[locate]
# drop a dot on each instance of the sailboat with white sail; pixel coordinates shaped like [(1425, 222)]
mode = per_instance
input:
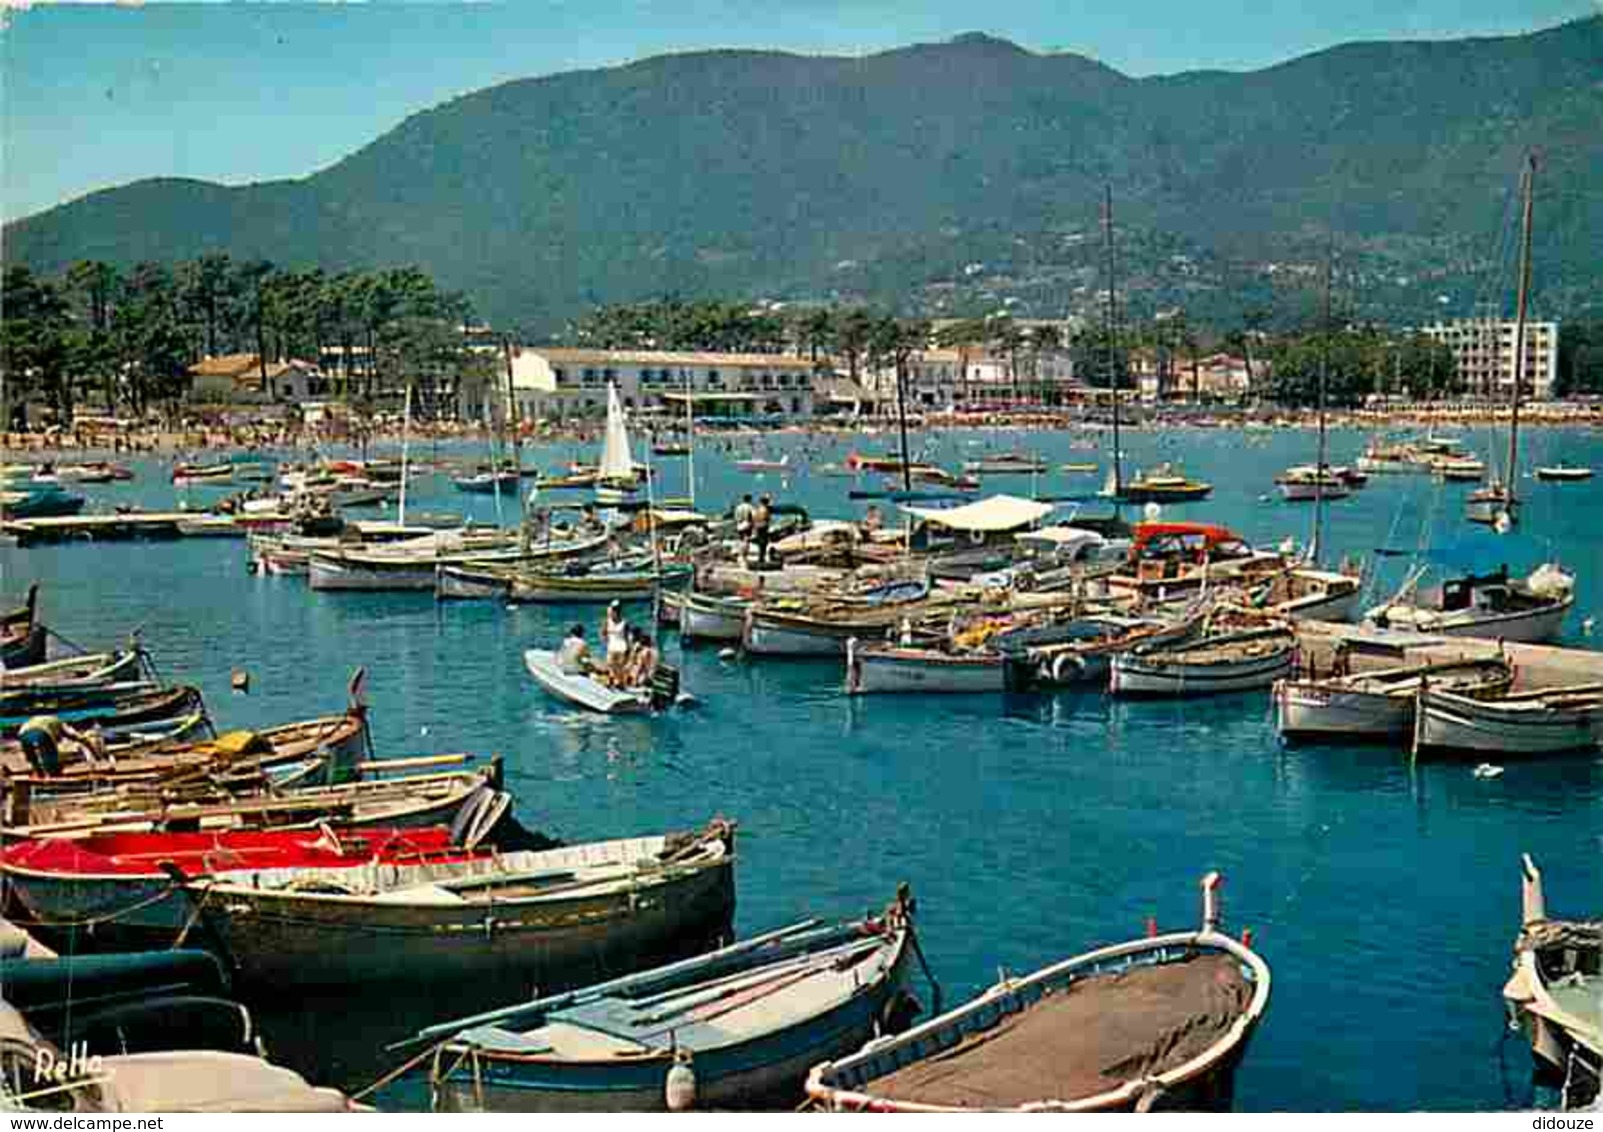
[(617, 476)]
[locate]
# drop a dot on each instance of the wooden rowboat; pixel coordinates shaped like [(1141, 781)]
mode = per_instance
[(331, 744), (315, 908), (1221, 662), (119, 712), (1539, 722), (1377, 705), (401, 803), (883, 667), (88, 670), (739, 1026), (1160, 1022)]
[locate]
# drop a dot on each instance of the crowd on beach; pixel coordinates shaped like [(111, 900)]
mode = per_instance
[(163, 439)]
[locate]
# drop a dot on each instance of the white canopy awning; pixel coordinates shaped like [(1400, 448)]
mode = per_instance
[(1062, 538), (998, 513)]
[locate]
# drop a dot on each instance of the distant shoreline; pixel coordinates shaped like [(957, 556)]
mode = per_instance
[(101, 442)]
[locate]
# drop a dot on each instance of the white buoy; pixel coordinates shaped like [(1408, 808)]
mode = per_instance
[(680, 1088), (727, 654), (1503, 524), (424, 730), (1152, 510), (1487, 770), (1587, 626)]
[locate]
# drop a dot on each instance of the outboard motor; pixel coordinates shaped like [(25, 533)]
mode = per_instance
[(664, 686)]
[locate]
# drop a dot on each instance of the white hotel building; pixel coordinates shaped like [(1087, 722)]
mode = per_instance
[(558, 382), (1483, 350)]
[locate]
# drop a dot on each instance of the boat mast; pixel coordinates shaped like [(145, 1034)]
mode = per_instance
[(1324, 375), (1113, 378), (901, 420), (1519, 339), (406, 447), (690, 437)]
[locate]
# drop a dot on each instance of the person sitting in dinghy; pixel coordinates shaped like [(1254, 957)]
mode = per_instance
[(574, 656)]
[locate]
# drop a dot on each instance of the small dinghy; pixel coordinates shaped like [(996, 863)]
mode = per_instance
[(587, 692), (1160, 1022), (739, 1026)]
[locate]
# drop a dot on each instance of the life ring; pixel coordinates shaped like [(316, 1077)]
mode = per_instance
[(1066, 667)]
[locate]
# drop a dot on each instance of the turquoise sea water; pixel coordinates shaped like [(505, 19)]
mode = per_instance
[(1030, 827)]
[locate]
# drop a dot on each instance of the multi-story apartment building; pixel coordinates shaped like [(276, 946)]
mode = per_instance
[(975, 377), (564, 382), (1483, 350)]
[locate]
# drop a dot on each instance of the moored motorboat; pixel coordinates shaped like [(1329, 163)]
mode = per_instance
[(1379, 704), (1213, 662), (1306, 483), (1160, 1022), (1165, 485), (739, 1026), (1531, 609), (1555, 994), (1563, 473), (1536, 722)]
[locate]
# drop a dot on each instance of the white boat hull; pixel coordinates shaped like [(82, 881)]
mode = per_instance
[(583, 691), (1493, 727), (1137, 675), (1526, 626), (1308, 493), (1325, 607), (451, 583), (706, 621), (764, 639), (335, 574), (889, 669), (1304, 708)]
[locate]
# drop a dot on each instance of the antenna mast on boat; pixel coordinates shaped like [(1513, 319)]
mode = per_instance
[(1113, 376), (1510, 500)]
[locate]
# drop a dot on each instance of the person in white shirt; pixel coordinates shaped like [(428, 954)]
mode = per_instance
[(574, 655), (615, 631)]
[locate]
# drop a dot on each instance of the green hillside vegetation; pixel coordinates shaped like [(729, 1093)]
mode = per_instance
[(885, 179)]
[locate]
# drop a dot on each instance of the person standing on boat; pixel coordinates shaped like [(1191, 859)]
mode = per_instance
[(743, 515), (761, 519), (615, 633), (41, 738), (574, 655)]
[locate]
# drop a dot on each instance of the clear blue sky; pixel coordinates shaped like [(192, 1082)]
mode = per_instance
[(96, 96)]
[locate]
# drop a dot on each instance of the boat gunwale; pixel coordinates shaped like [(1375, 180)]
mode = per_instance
[(1131, 1090)]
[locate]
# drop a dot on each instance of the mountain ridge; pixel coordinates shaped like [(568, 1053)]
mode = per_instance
[(760, 172)]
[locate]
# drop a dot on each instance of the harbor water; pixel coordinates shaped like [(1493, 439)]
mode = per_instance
[(1030, 828)]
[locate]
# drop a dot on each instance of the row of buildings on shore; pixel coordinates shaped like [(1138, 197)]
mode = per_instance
[(540, 382)]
